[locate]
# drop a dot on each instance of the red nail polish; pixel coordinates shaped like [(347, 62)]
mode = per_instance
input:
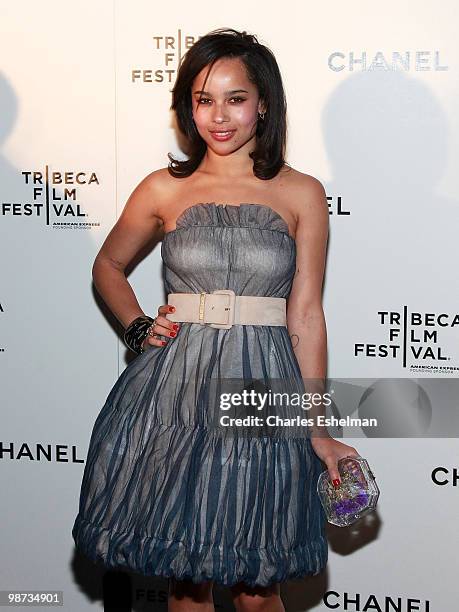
[(171, 308), (163, 342), (173, 334), (336, 482), (175, 326)]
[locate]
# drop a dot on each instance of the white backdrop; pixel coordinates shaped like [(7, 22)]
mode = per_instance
[(372, 110)]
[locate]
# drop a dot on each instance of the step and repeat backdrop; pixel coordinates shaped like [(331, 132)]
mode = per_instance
[(372, 99)]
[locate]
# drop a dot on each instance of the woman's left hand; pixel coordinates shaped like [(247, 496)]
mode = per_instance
[(330, 451)]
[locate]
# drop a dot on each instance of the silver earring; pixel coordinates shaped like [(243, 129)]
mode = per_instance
[(261, 116)]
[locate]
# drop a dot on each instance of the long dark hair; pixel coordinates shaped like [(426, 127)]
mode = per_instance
[(262, 71)]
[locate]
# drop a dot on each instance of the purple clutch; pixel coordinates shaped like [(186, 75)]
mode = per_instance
[(356, 496)]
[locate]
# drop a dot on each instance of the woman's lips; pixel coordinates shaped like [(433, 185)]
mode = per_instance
[(223, 135)]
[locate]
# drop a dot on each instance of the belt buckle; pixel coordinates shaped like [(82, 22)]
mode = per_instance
[(230, 308)]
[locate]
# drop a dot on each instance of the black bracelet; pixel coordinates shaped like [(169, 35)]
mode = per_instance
[(136, 332)]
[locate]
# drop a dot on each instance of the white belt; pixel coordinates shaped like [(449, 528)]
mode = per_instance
[(223, 308)]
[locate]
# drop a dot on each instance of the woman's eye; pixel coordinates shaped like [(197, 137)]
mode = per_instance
[(205, 100)]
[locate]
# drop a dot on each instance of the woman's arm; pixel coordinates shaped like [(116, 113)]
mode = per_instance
[(305, 316), (306, 321), (136, 225)]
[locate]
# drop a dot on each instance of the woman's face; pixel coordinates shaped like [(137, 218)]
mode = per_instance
[(226, 117)]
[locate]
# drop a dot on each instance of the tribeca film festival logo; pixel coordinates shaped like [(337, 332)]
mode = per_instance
[(170, 48), (54, 198), (402, 61), (414, 339)]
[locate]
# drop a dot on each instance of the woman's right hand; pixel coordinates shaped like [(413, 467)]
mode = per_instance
[(163, 327)]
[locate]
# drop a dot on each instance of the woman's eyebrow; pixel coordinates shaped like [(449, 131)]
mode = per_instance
[(227, 93)]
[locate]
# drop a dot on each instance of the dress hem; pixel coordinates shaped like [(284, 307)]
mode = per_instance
[(153, 556)]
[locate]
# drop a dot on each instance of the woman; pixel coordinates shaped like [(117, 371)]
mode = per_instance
[(165, 490)]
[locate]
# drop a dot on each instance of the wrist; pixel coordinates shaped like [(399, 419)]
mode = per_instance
[(319, 433), (136, 333)]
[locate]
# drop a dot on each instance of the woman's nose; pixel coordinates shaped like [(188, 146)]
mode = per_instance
[(219, 113)]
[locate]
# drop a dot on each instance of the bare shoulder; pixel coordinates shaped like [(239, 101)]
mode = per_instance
[(308, 203), (158, 182), (159, 176), (163, 189), (305, 192)]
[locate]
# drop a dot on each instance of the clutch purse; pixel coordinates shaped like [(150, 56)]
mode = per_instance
[(356, 496)]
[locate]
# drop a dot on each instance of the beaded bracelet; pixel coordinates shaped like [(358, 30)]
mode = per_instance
[(136, 332)]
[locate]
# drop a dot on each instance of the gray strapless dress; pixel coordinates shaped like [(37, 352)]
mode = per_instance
[(165, 493)]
